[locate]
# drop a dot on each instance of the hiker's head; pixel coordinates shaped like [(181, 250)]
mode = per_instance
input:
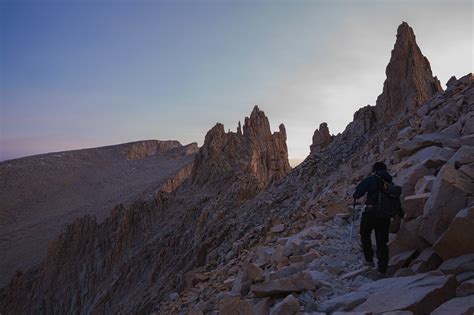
[(379, 167)]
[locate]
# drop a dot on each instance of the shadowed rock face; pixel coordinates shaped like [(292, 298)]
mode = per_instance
[(409, 83), (321, 138), (143, 149), (127, 263), (409, 79), (256, 152), (41, 194)]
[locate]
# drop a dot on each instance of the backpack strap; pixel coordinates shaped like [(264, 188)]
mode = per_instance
[(380, 192)]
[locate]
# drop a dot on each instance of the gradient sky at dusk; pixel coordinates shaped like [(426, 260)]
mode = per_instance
[(77, 74)]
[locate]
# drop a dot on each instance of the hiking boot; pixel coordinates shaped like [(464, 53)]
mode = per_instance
[(370, 264)]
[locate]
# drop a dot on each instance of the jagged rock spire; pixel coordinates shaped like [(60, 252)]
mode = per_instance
[(255, 151), (321, 138), (409, 79)]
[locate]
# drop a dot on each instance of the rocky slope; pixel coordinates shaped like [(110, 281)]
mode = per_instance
[(243, 238), (39, 195), (129, 261), (300, 259)]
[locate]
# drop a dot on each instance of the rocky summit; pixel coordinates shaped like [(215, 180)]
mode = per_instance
[(254, 152), (242, 233), (409, 79)]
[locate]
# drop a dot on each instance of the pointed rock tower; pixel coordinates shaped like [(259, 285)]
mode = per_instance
[(409, 80), (255, 152), (321, 138)]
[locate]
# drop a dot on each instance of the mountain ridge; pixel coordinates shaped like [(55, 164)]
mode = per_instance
[(236, 245)]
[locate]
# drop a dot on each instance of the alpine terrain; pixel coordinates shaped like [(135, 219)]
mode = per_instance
[(243, 233)]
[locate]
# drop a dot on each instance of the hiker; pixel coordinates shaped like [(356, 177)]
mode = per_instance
[(380, 208)]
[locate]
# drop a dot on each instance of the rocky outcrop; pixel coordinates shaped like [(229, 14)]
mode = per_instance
[(321, 138), (458, 265), (174, 181), (255, 152), (460, 305), (419, 294), (143, 149), (451, 192), (409, 80), (458, 238), (364, 119)]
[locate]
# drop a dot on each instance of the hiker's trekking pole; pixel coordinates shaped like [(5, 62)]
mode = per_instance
[(352, 224)]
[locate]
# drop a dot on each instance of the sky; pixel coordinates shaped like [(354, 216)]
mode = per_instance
[(76, 74)]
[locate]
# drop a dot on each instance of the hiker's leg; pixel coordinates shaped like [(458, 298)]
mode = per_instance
[(366, 226), (381, 236)]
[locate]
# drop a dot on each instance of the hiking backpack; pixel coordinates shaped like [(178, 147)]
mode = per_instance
[(388, 199)]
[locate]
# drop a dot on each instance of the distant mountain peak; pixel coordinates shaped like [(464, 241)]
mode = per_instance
[(409, 80)]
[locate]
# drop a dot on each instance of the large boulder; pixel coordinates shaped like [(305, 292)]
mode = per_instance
[(413, 205), (451, 192), (254, 272), (298, 282), (407, 178), (458, 265), (407, 239), (458, 306), (428, 260), (419, 294), (401, 260), (422, 141), (424, 184), (468, 170), (465, 288), (344, 302), (463, 156), (458, 239), (468, 127), (439, 158), (467, 140), (424, 154), (236, 306), (289, 306)]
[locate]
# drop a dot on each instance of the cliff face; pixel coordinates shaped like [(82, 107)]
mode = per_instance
[(143, 149), (256, 152), (409, 79)]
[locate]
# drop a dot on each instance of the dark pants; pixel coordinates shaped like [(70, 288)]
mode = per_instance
[(381, 226)]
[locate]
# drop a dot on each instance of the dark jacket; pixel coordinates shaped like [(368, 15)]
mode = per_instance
[(370, 186)]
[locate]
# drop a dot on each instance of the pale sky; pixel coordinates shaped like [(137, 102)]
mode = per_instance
[(78, 74)]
